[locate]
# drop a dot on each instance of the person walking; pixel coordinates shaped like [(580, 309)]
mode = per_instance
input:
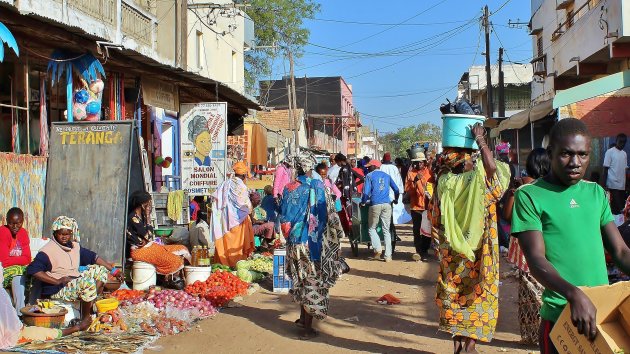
[(311, 226), (615, 166), (418, 187), (464, 216), (376, 195), (282, 176), (563, 224), (346, 182), (398, 210)]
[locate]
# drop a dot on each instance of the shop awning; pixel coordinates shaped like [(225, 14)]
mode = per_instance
[(592, 89), (521, 119)]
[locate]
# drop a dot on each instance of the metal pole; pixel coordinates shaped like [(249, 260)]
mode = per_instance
[(501, 85), (486, 24), (295, 117), (27, 94)]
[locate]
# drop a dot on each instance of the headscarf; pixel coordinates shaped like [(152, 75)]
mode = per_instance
[(254, 197), (626, 209), (196, 126), (306, 161), (240, 168), (64, 222), (453, 157), (503, 148)]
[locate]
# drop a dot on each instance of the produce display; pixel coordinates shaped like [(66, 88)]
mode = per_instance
[(216, 267), (262, 264), (220, 288), (127, 294), (181, 301), (108, 322)]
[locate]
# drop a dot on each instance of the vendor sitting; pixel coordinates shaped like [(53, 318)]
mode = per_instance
[(15, 255), (262, 227), (13, 332), (167, 259), (69, 272)]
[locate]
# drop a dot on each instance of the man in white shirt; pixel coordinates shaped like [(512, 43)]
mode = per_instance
[(614, 176), (333, 170), (399, 214)]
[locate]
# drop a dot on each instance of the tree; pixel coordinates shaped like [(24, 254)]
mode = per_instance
[(278, 27), (397, 143)]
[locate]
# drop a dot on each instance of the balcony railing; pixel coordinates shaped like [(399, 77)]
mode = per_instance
[(103, 10), (138, 25)]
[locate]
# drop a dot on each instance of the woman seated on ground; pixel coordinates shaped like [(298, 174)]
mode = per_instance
[(69, 272), (15, 255), (262, 226), (13, 332), (167, 259)]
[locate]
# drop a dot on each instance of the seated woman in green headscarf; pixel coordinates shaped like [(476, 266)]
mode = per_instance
[(463, 214)]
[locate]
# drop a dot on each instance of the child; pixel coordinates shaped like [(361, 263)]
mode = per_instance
[(269, 204), (560, 221), (15, 254)]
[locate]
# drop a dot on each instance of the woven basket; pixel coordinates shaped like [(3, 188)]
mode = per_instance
[(42, 319)]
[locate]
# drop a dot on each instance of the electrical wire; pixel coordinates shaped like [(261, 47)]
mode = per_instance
[(385, 24)]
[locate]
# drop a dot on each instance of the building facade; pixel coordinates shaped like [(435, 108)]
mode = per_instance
[(330, 112)]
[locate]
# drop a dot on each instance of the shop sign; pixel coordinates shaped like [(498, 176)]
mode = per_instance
[(203, 144), (160, 94)]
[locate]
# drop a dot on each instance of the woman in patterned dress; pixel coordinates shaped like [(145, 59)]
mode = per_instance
[(312, 227), (464, 218), (68, 271)]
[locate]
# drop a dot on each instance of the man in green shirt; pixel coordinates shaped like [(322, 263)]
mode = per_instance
[(563, 225)]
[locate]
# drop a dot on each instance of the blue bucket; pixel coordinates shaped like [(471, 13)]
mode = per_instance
[(456, 130)]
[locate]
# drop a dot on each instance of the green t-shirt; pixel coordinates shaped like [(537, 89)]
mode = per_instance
[(570, 219)]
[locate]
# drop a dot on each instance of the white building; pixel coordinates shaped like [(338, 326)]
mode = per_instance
[(581, 52), (218, 35), (516, 80)]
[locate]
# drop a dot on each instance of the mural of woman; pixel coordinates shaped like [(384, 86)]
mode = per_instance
[(199, 135)]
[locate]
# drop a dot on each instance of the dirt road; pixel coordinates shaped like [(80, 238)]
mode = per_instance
[(356, 323)]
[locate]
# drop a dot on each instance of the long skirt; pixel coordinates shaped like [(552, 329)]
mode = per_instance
[(236, 245), (84, 287), (10, 272), (167, 259)]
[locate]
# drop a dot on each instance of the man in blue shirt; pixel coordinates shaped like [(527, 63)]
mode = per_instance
[(376, 195)]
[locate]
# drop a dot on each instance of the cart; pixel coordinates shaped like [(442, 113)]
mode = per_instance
[(360, 228)]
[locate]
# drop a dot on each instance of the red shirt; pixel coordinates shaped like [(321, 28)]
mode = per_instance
[(360, 186), (9, 245)]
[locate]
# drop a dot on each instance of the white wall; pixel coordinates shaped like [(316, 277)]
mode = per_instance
[(221, 55), (582, 40)]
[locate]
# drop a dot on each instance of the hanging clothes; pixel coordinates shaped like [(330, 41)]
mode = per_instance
[(43, 118)]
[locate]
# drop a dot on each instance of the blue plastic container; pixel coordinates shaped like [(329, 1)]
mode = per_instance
[(281, 281), (456, 130)]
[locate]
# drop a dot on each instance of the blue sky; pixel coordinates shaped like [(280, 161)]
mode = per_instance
[(404, 58)]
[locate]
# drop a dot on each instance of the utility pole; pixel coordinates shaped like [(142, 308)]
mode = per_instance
[(296, 119), (501, 85), (486, 25), (286, 81)]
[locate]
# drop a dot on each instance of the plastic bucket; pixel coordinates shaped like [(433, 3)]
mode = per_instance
[(197, 273), (456, 130), (143, 275)]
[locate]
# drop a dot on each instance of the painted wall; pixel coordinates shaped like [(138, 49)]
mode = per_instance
[(217, 52), (583, 39)]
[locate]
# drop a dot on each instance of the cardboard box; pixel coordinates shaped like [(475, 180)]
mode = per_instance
[(613, 323)]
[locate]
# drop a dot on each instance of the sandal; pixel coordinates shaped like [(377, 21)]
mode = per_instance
[(299, 323)]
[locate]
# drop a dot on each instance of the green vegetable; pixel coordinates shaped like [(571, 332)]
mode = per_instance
[(245, 275)]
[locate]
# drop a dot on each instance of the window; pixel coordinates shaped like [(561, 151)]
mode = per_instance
[(569, 18), (539, 45), (198, 50), (234, 67)]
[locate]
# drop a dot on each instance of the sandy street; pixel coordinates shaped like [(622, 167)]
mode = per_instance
[(357, 323)]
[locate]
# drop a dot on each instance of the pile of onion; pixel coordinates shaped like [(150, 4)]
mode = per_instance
[(180, 300)]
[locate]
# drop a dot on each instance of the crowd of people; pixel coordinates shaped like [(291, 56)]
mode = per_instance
[(465, 205)]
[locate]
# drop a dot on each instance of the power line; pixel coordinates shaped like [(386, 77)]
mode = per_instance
[(386, 24), (395, 25)]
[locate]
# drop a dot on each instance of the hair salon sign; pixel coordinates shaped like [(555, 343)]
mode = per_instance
[(203, 146)]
